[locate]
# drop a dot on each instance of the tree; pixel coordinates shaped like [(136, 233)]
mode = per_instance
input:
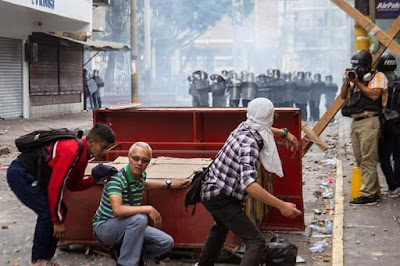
[(178, 23), (117, 29)]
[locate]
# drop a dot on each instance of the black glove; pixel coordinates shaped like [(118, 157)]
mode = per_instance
[(102, 170)]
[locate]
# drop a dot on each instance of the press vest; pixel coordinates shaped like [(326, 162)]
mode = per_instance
[(358, 103)]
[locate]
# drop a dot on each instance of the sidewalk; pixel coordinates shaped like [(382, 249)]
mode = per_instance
[(318, 166), (371, 233)]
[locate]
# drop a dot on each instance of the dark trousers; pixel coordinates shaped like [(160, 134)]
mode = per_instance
[(200, 100), (389, 144), (86, 95), (96, 99), (303, 110), (229, 215), (314, 110), (20, 182), (288, 104)]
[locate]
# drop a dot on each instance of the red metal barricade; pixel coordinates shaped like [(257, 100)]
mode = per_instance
[(186, 133)]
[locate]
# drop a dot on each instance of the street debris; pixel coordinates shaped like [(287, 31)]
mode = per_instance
[(319, 246), (299, 259)]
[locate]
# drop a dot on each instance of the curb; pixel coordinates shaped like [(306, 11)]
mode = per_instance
[(338, 219)]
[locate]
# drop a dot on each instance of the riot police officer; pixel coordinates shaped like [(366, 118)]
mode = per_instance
[(264, 85), (218, 88), (389, 141), (199, 87), (290, 89), (249, 88), (302, 92), (278, 89), (364, 100), (317, 87), (330, 90), (235, 89)]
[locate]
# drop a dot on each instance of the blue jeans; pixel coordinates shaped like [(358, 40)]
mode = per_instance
[(20, 182), (132, 233)]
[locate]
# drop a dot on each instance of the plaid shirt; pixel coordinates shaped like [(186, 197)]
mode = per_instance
[(380, 81), (235, 166)]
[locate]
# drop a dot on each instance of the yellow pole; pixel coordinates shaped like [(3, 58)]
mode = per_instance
[(361, 41)]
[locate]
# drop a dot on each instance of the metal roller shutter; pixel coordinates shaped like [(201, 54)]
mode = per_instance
[(10, 78)]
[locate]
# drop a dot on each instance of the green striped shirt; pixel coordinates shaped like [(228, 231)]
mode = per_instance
[(117, 185)]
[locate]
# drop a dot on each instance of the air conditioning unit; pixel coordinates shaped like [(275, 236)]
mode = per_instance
[(102, 2)]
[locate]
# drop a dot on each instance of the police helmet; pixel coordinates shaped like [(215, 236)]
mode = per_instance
[(361, 57), (276, 73), (386, 63)]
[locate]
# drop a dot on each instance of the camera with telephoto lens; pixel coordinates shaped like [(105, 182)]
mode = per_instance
[(351, 75)]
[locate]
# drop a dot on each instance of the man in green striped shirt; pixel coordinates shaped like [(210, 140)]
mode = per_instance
[(120, 220)]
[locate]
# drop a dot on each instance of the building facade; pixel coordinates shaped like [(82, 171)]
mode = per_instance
[(40, 75)]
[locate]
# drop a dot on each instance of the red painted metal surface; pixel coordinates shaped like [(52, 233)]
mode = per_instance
[(188, 133)]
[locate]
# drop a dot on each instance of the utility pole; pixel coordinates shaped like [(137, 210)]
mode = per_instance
[(134, 56), (147, 49), (237, 23)]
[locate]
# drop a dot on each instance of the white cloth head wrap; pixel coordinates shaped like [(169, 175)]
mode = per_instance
[(260, 117)]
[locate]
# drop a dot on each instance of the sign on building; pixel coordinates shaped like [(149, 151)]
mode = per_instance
[(387, 9)]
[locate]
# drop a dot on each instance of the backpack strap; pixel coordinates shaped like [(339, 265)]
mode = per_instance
[(130, 196)]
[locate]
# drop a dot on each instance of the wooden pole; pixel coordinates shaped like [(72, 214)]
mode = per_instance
[(386, 40), (134, 55)]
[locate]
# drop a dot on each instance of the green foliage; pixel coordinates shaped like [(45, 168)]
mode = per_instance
[(117, 28), (180, 22)]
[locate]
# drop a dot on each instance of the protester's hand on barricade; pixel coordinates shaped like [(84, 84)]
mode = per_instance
[(180, 183), (101, 171), (291, 142), (58, 231), (289, 209), (154, 216)]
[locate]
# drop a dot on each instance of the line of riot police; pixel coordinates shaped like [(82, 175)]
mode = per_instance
[(284, 90)]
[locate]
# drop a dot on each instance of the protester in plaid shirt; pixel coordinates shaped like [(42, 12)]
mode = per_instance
[(232, 177), (364, 102)]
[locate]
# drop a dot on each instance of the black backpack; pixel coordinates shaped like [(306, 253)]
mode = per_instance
[(192, 196), (33, 145), (39, 138)]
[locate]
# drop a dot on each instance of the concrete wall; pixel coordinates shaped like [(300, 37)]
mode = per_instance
[(51, 110)]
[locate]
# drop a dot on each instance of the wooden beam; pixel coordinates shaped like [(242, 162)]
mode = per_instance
[(391, 32), (323, 122), (369, 26), (313, 137), (365, 22)]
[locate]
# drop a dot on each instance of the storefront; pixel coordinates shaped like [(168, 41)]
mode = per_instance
[(19, 19)]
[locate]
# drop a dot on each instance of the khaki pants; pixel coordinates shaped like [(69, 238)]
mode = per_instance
[(364, 138)]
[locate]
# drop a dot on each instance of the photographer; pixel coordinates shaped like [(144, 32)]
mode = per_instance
[(365, 95), (389, 141)]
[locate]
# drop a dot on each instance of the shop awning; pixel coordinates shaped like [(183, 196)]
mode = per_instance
[(94, 45)]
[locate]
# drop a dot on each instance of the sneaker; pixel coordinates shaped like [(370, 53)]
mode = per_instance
[(395, 193), (371, 200)]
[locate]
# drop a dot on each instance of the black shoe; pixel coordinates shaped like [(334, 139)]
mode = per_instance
[(370, 200)]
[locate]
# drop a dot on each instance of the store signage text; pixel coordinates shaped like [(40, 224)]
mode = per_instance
[(387, 9), (44, 3)]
